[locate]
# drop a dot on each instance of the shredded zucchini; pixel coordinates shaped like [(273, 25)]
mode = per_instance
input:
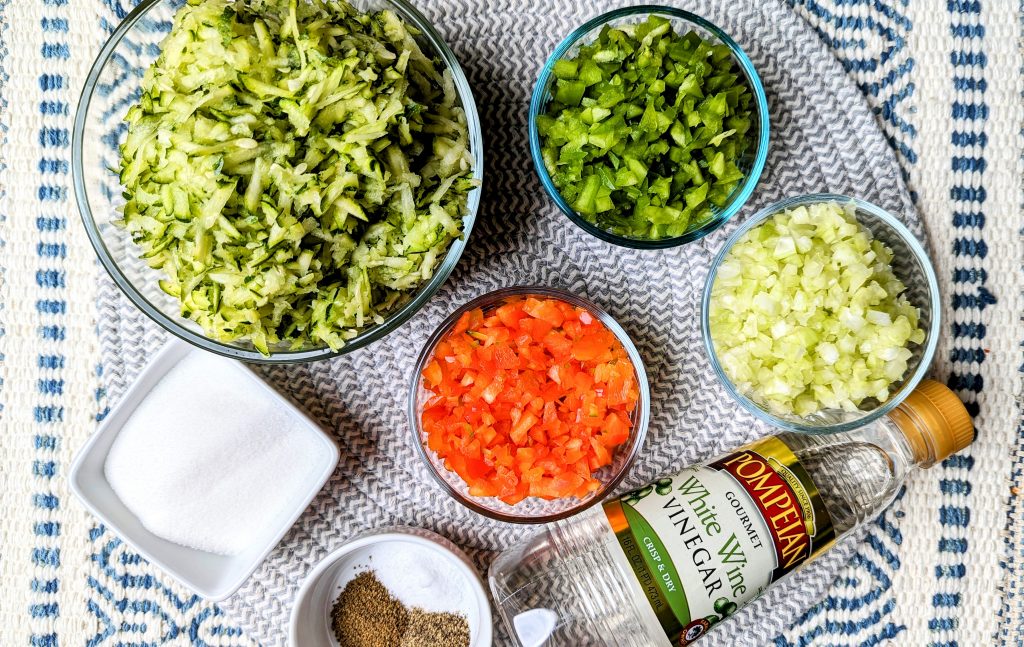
[(295, 168)]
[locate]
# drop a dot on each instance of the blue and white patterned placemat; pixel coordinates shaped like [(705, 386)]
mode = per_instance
[(942, 567)]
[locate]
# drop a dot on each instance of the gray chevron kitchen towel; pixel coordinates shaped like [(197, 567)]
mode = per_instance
[(824, 138)]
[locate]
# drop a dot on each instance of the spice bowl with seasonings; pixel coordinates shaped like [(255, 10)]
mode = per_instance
[(393, 587)]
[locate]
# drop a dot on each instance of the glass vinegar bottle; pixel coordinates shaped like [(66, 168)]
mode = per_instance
[(665, 563)]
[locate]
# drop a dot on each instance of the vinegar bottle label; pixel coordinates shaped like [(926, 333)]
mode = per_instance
[(707, 541)]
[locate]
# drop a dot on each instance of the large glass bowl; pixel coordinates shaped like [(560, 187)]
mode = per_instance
[(531, 509), (752, 163), (113, 85), (910, 264)]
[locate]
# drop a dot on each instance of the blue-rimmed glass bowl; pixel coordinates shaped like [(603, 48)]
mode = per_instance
[(111, 88), (910, 264), (752, 162), (531, 509)]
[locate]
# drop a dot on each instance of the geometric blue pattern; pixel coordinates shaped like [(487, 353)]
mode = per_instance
[(51, 312), (1013, 603), (970, 296), (864, 590), (882, 76), (119, 585)]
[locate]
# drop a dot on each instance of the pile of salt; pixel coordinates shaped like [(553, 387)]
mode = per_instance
[(208, 461)]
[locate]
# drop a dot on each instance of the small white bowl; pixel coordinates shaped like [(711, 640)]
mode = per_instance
[(212, 576), (387, 552)]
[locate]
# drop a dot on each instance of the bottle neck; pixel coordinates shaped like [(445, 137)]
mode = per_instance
[(859, 472), (915, 435)]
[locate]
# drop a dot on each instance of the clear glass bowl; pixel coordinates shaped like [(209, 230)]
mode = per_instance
[(752, 163), (532, 509), (910, 264), (113, 85)]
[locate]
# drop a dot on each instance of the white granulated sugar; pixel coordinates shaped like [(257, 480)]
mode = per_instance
[(208, 460)]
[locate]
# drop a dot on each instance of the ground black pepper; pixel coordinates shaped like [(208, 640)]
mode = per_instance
[(367, 615), (428, 629)]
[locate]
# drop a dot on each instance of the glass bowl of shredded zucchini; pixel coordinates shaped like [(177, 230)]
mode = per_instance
[(649, 127), (277, 180), (821, 313)]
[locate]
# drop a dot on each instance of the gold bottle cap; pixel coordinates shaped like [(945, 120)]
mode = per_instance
[(935, 422)]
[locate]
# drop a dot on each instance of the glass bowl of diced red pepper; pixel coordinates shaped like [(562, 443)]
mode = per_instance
[(529, 404)]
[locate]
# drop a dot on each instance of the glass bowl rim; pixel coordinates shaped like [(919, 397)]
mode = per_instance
[(638, 431), (537, 102), (931, 341), (175, 326)]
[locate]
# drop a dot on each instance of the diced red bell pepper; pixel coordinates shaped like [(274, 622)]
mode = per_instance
[(528, 400)]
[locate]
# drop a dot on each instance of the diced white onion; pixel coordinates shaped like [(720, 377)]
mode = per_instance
[(806, 313)]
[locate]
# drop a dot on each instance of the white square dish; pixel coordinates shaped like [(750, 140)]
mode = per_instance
[(210, 575)]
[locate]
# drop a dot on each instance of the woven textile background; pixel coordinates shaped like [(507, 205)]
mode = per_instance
[(824, 137), (942, 567)]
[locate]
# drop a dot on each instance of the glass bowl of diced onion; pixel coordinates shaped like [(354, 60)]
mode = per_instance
[(755, 379)]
